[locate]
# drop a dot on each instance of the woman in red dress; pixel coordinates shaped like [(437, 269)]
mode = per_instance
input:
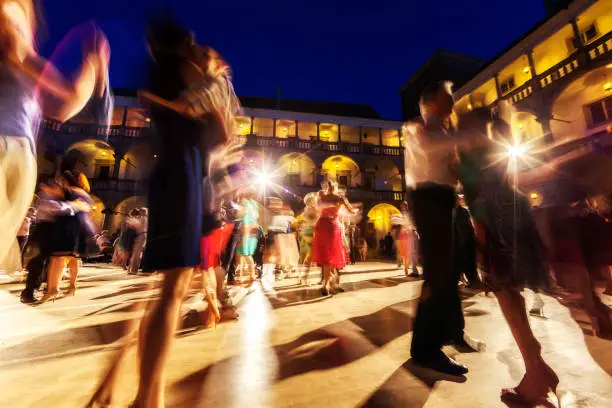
[(328, 249)]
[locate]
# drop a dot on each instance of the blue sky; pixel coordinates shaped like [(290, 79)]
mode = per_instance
[(333, 50)]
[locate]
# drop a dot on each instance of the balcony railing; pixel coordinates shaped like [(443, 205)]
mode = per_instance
[(353, 194), (122, 132), (114, 185), (334, 147), (95, 131), (600, 47), (559, 71)]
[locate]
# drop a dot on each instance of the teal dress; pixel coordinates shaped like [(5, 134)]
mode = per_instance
[(248, 243)]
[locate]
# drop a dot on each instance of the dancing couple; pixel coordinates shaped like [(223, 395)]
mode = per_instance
[(439, 154)]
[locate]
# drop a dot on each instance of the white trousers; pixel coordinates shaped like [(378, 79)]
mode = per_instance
[(17, 184)]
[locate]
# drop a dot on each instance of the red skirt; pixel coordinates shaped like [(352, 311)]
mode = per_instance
[(213, 244), (327, 245)]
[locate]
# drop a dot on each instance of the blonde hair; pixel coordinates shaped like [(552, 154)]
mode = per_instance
[(10, 19)]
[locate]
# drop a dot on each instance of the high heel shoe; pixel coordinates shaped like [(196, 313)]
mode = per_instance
[(49, 296), (71, 290)]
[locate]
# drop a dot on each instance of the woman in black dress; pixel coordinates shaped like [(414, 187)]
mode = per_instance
[(191, 102), (68, 233), (510, 247)]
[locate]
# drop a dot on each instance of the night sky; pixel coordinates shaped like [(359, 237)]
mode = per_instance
[(332, 50)]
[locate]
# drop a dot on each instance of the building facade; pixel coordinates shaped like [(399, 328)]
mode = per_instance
[(558, 79), (299, 144)]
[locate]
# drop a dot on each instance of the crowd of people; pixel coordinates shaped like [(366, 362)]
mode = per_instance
[(203, 217)]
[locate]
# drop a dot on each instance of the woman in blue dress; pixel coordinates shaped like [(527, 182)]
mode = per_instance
[(191, 102)]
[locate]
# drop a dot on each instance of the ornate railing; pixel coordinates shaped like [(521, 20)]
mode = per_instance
[(95, 131), (600, 47), (522, 92), (114, 185), (334, 147), (559, 71)]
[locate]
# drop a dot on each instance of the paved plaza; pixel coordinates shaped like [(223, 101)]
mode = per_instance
[(290, 348)]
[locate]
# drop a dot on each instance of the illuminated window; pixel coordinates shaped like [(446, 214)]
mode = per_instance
[(370, 135), (307, 130), (263, 127), (600, 112), (328, 132), (507, 85), (285, 128), (390, 137), (242, 125), (349, 134)]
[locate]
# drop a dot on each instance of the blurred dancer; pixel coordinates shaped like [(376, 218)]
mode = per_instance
[(404, 239), (68, 231), (511, 251), (190, 94), (138, 224), (328, 249), (26, 80), (48, 208), (249, 211), (304, 224), (429, 156)]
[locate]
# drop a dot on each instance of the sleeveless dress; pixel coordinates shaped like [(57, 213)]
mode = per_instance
[(328, 245), (175, 195)]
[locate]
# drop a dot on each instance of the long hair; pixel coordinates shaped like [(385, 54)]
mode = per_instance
[(9, 30)]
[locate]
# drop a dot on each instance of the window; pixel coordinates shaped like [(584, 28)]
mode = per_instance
[(599, 112), (343, 180), (263, 127), (369, 180), (588, 34), (507, 85)]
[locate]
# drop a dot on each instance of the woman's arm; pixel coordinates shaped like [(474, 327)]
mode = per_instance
[(348, 206), (65, 98)]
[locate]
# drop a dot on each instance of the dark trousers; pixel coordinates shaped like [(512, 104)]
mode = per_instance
[(439, 318), (40, 240), (465, 249)]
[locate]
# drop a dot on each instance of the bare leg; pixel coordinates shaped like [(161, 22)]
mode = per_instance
[(157, 335), (105, 392), (539, 378), (73, 267), (209, 286), (327, 278), (250, 264), (54, 275)]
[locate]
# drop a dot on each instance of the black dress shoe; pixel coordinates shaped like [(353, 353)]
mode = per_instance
[(443, 364), (27, 297)]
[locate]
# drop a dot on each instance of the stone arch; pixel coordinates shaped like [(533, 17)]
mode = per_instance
[(343, 169), (569, 118), (380, 217), (296, 169), (122, 209), (95, 158), (137, 163), (382, 174)]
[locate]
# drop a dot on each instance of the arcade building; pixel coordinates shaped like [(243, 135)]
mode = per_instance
[(301, 142)]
